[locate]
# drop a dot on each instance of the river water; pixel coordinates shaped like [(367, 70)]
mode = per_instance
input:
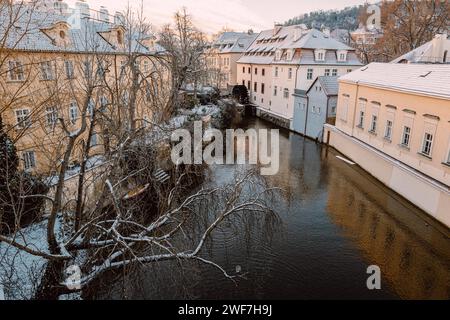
[(335, 221)]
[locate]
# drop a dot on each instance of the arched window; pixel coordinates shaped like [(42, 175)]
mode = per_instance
[(62, 34)]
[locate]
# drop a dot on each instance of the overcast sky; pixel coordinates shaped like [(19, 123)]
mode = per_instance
[(212, 15)]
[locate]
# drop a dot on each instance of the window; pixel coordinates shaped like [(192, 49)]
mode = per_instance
[(256, 71), (361, 119), (248, 85), (290, 73), (46, 70), (88, 70), (276, 71), (335, 72), (343, 112), (349, 70), (15, 71), (29, 160), (249, 70), (373, 126), (103, 103), (341, 56), (406, 136), (91, 104), (94, 139), (309, 74), (262, 88), (73, 112), (427, 144), (286, 93), (263, 72), (275, 90), (146, 66), (51, 114), (388, 131), (62, 34), (69, 69), (243, 82), (448, 158), (255, 87), (327, 72), (243, 69), (320, 56), (23, 118)]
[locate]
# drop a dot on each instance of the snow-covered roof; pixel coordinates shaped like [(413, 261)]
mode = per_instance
[(429, 52), (330, 85), (234, 42), (29, 34), (422, 79), (297, 37)]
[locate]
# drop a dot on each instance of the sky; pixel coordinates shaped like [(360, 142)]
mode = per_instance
[(212, 15)]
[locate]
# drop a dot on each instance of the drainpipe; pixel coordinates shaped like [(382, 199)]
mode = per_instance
[(306, 114), (326, 114), (355, 105)]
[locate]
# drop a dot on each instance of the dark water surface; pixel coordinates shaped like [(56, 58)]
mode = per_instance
[(335, 221)]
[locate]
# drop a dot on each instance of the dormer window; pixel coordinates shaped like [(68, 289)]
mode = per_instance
[(278, 55), (342, 55), (289, 55), (62, 34), (320, 55)]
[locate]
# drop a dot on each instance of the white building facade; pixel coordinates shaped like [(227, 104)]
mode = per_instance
[(285, 59)]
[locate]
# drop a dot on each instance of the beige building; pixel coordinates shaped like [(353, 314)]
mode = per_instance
[(222, 56), (52, 67), (396, 126), (289, 58)]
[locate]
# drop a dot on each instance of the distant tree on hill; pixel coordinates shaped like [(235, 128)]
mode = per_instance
[(346, 18)]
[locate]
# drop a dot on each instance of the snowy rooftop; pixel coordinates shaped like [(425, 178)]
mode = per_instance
[(423, 79), (234, 42), (262, 50), (28, 34), (329, 84)]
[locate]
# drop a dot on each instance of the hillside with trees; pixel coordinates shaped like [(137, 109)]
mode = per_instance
[(346, 18)]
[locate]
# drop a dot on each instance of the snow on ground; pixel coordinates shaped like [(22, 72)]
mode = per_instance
[(21, 272)]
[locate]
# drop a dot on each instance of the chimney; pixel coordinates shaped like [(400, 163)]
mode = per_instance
[(277, 27), (297, 33), (326, 32), (438, 46), (103, 14)]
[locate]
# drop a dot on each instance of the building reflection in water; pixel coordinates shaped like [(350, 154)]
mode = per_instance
[(391, 233)]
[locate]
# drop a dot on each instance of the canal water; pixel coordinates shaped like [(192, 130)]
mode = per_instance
[(334, 221)]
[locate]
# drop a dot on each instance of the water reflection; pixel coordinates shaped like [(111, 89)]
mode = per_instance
[(413, 255), (335, 221)]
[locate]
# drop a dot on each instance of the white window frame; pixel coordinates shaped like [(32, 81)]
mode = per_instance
[(373, 123), (23, 117), (73, 112), (29, 159), (404, 134), (275, 91), (427, 144), (327, 72), (286, 93), (309, 74), (51, 115), (290, 73), (334, 72), (15, 71), (46, 70), (70, 74), (388, 129)]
